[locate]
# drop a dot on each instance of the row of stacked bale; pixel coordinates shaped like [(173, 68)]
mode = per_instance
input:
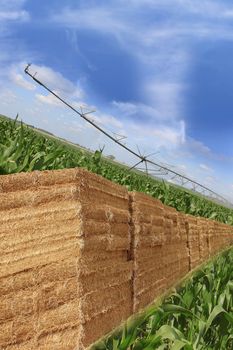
[(203, 231), (167, 244), (105, 268), (176, 258), (40, 252), (218, 236), (80, 254), (65, 272), (160, 248), (148, 241)]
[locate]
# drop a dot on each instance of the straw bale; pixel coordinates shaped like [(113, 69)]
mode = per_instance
[(55, 177), (28, 345), (6, 312), (17, 199), (148, 239), (54, 294), (93, 260), (92, 182), (12, 266), (23, 328), (148, 295), (6, 334), (50, 211), (17, 182), (105, 213), (147, 278), (26, 239), (57, 271), (6, 285), (66, 339), (64, 192), (102, 300), (106, 276), (101, 324), (21, 303), (105, 268), (62, 317)]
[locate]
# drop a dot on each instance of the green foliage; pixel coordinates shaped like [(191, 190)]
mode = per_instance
[(198, 316), (23, 149)]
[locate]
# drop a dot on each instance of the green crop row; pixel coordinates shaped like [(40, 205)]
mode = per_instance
[(23, 149), (197, 316)]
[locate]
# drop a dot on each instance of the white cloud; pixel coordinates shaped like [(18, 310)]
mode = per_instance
[(228, 13), (107, 120), (49, 99), (204, 8), (110, 19), (161, 127), (171, 135), (164, 114), (205, 168), (189, 31), (167, 97), (102, 19), (14, 16), (17, 78), (198, 147), (130, 109), (159, 135), (56, 81), (210, 179), (12, 11), (7, 97), (182, 166), (164, 49)]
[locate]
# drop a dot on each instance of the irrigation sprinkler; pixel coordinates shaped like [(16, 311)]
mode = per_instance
[(162, 170)]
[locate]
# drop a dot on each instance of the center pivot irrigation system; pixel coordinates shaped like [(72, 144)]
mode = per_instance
[(151, 168)]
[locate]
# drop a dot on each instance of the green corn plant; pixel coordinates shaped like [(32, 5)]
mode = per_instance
[(197, 316), (23, 149)]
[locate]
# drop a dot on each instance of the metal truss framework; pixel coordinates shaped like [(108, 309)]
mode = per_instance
[(151, 168)]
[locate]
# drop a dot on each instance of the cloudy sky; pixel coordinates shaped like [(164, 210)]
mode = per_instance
[(159, 72)]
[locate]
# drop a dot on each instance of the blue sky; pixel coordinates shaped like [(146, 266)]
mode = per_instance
[(159, 72)]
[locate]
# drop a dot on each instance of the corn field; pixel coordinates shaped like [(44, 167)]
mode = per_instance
[(198, 316), (23, 149)]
